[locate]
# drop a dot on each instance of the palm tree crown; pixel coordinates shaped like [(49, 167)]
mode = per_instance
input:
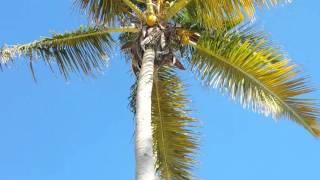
[(211, 38)]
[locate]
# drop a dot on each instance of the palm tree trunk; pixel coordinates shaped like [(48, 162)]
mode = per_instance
[(145, 166)]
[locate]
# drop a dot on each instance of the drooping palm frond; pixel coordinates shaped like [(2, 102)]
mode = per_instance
[(247, 67), (82, 50), (129, 48), (175, 139)]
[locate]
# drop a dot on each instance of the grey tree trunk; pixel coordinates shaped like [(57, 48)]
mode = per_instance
[(145, 161)]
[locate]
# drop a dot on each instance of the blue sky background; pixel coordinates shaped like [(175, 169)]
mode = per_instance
[(83, 129)]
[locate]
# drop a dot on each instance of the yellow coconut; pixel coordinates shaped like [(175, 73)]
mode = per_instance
[(151, 20)]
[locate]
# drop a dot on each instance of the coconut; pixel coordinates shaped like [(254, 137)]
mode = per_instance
[(151, 20)]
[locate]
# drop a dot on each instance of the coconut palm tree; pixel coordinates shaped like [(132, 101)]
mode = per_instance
[(211, 38)]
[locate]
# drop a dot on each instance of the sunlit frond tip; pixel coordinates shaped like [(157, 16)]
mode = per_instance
[(82, 50), (258, 75)]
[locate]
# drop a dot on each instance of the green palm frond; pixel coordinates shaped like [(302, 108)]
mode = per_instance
[(173, 9), (175, 141), (106, 11), (174, 137), (214, 13), (135, 8), (247, 67), (186, 18), (82, 50), (109, 11)]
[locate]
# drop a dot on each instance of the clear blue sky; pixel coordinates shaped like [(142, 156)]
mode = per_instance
[(83, 129)]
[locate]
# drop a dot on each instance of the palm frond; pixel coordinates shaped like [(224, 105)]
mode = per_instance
[(186, 18), (82, 50), (214, 14), (245, 65), (175, 141), (174, 9), (109, 11), (134, 8), (106, 11), (128, 42)]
